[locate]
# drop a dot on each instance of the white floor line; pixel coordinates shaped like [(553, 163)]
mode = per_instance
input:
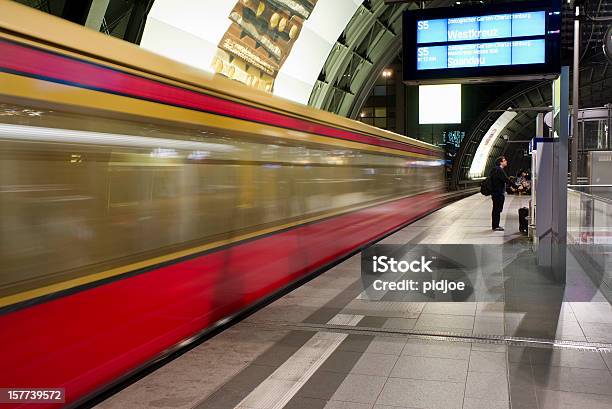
[(278, 388)]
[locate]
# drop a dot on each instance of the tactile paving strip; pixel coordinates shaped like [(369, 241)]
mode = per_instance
[(440, 336)]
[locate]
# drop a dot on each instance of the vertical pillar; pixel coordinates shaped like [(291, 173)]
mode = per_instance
[(609, 134), (559, 232), (551, 207), (534, 176), (575, 95), (400, 98), (412, 112), (544, 165)]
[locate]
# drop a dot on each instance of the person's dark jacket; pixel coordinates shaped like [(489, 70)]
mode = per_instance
[(499, 179)]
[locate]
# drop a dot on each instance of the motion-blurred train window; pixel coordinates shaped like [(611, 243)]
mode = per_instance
[(129, 187), (165, 183)]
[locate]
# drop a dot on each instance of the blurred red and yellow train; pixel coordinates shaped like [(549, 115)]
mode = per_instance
[(143, 202)]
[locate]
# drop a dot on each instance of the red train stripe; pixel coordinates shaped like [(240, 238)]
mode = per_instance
[(85, 340), (30, 61)]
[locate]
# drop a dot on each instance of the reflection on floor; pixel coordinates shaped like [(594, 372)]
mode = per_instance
[(538, 345)]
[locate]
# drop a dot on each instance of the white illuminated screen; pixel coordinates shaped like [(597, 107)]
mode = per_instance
[(440, 104)]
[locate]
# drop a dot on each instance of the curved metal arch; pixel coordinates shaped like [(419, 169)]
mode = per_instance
[(595, 90), (370, 41)]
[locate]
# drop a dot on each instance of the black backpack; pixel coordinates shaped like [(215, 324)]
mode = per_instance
[(485, 186)]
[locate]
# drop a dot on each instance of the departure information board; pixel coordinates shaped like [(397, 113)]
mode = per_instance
[(477, 53), (481, 27), (467, 44)]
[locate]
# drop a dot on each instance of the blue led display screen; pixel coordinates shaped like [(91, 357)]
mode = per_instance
[(482, 27), (432, 31), (462, 42), (511, 41), (481, 54), (529, 24)]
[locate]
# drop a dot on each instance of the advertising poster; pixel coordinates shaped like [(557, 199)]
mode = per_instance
[(277, 46)]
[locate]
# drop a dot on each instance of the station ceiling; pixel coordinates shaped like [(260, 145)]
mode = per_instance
[(372, 39)]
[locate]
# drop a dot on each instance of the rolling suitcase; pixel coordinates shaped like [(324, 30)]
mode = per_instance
[(523, 225)]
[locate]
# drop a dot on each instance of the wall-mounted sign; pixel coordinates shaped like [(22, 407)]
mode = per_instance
[(486, 144), (515, 41)]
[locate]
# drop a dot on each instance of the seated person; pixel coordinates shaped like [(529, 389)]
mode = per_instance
[(525, 187), (512, 186), (524, 183)]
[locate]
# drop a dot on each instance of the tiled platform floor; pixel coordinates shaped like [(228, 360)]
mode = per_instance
[(325, 345)]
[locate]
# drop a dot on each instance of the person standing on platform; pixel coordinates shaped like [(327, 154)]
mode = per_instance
[(499, 180)]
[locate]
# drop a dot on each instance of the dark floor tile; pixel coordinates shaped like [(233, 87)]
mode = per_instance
[(523, 397), (323, 315), (521, 374), (322, 385), (590, 381), (237, 388), (518, 354), (341, 361), (356, 343), (249, 378), (298, 402), (222, 399), (296, 338), (567, 357), (276, 355)]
